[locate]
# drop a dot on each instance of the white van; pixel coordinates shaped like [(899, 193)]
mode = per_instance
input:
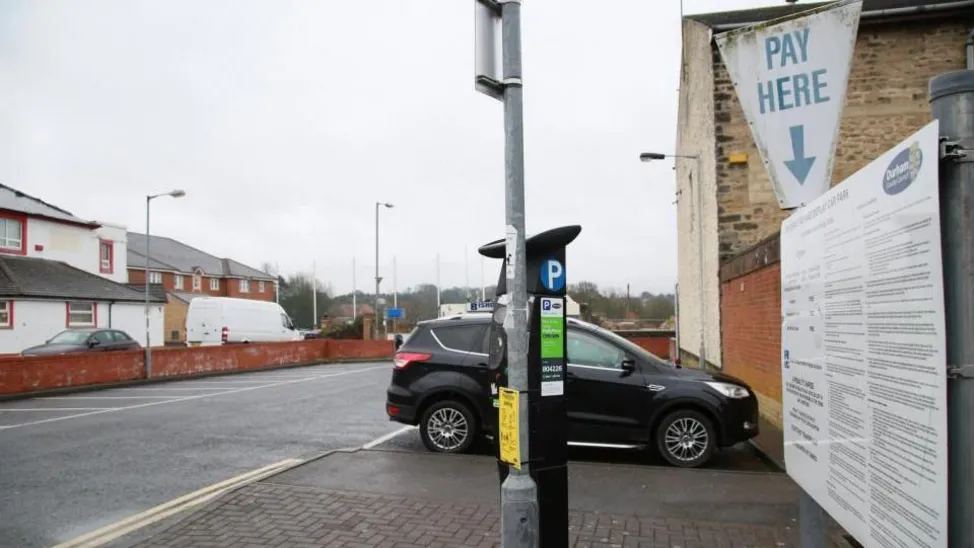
[(220, 320)]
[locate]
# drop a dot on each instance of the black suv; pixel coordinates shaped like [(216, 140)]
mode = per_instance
[(618, 395)]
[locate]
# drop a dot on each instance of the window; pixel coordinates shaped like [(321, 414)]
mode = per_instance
[(177, 281), (286, 321), (121, 337), (245, 286), (585, 349), (174, 335), (12, 235), (260, 287), (103, 338), (6, 314), (461, 337), (81, 314), (214, 284), (155, 277), (106, 256), (69, 337), (197, 282)]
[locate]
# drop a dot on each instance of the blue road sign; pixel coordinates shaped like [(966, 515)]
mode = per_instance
[(552, 275), (394, 313)]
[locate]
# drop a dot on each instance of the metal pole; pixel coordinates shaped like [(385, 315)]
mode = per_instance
[(519, 493), (952, 103), (314, 295), (627, 301), (438, 284), (395, 295), (148, 343), (483, 288), (375, 323), (354, 293), (703, 290)]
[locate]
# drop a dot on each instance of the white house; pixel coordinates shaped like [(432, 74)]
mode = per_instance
[(31, 227), (59, 271)]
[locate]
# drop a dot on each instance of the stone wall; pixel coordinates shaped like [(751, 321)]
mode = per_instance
[(886, 101)]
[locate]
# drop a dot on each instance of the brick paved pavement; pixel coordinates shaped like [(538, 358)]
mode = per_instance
[(268, 514)]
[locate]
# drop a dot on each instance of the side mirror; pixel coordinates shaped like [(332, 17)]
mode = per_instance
[(398, 340), (93, 343), (628, 365)]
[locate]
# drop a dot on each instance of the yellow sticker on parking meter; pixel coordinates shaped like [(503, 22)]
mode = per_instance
[(510, 438)]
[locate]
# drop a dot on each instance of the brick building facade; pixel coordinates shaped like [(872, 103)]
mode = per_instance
[(729, 289), (182, 268)]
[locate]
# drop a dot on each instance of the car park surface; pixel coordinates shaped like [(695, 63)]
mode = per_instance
[(73, 463)]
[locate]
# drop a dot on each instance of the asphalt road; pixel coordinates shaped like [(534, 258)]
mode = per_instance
[(75, 463)]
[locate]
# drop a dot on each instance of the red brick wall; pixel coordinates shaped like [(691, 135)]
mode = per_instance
[(19, 375), (229, 287), (233, 290), (356, 349), (659, 346), (656, 341), (750, 312), (23, 375)]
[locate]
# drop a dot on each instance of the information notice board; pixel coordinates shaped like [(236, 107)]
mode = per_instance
[(863, 350)]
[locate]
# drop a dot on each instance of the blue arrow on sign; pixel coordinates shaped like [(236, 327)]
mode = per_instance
[(801, 165)]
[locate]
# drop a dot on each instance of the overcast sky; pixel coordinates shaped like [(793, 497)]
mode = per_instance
[(285, 121)]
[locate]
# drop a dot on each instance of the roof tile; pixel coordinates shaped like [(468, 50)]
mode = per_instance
[(170, 254), (42, 278)]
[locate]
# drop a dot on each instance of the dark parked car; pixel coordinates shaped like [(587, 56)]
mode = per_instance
[(84, 340), (618, 395)]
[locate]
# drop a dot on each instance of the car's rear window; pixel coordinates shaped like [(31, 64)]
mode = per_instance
[(409, 335), (461, 337)]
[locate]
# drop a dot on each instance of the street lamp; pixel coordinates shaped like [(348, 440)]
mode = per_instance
[(649, 157), (148, 342), (378, 279)]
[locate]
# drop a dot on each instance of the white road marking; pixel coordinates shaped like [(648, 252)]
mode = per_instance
[(111, 532), (382, 439), (226, 382), (58, 409), (179, 388), (187, 398), (109, 397)]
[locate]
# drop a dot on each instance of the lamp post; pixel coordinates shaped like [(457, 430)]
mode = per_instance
[(649, 157), (378, 279), (148, 341)]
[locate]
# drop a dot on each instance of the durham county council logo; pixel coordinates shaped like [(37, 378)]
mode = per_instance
[(903, 170)]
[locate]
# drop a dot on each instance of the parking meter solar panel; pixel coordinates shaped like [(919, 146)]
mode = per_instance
[(548, 434)]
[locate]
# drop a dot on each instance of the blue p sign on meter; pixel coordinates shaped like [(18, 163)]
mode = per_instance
[(552, 275)]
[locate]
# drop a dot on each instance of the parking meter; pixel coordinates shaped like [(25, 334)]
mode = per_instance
[(547, 457)]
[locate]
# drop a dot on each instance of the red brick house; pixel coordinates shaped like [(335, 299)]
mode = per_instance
[(184, 269)]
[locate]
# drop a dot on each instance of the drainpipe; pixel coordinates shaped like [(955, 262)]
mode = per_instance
[(874, 14), (110, 303), (970, 50)]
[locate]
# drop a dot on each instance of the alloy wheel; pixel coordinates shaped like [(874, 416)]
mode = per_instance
[(686, 439), (448, 428)]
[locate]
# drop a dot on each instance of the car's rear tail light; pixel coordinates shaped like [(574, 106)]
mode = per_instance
[(392, 410), (403, 359), (224, 334)]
